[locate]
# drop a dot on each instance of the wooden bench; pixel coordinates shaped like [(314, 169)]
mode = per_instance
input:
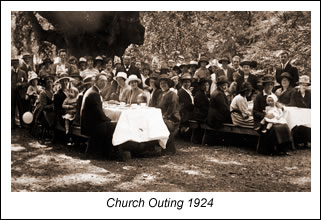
[(231, 128), (75, 130)]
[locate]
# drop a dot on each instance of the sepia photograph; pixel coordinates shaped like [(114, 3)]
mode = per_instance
[(160, 101)]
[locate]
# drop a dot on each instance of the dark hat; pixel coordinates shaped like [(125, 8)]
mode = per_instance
[(268, 78), (252, 64), (13, 60), (152, 76), (167, 78), (286, 75), (47, 60), (221, 80), (72, 58), (164, 71), (203, 80), (176, 68), (89, 58), (75, 74), (245, 86), (203, 59), (224, 59), (26, 55)]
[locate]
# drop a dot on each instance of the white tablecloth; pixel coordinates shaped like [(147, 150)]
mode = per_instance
[(297, 116), (138, 124)]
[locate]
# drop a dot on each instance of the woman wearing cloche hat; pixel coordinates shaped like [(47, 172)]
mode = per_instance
[(131, 96)]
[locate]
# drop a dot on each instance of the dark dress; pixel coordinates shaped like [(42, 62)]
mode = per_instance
[(201, 105), (186, 106), (278, 138), (298, 101), (169, 105), (219, 109), (285, 97), (59, 98)]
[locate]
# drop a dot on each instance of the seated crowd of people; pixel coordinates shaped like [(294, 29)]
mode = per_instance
[(71, 91)]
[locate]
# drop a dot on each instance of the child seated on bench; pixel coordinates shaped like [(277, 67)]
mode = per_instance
[(70, 105), (274, 108)]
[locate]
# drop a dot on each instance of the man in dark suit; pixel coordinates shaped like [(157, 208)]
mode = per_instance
[(19, 85), (93, 121), (225, 70), (287, 67), (131, 69)]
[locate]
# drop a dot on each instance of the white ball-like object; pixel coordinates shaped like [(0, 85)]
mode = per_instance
[(27, 117)]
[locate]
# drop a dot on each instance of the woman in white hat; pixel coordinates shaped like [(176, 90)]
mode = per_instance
[(131, 96), (122, 88), (33, 90), (302, 97)]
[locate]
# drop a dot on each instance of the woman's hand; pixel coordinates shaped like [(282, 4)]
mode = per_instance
[(269, 116)]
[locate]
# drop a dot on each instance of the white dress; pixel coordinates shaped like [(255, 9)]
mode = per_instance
[(278, 115)]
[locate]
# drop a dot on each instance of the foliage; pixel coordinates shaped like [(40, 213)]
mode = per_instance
[(251, 35)]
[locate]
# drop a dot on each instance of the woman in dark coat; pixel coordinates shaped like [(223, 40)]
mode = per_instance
[(285, 92), (302, 97), (219, 110), (248, 76), (186, 101), (169, 105), (278, 139), (201, 101)]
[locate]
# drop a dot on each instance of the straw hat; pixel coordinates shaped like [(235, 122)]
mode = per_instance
[(166, 78), (133, 78), (203, 59), (32, 75), (82, 59), (62, 77), (304, 80), (121, 75), (186, 76)]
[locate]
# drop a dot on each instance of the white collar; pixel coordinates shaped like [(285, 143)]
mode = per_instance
[(284, 65)]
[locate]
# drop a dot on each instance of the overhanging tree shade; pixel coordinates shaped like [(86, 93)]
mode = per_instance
[(89, 33)]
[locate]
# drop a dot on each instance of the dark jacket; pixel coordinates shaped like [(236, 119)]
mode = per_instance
[(59, 98), (293, 71), (92, 114), (252, 79), (19, 76), (201, 105), (285, 97), (154, 101), (133, 71), (25, 68), (219, 109), (186, 105), (259, 107), (230, 72), (299, 101)]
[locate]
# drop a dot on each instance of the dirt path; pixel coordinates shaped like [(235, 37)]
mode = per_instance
[(37, 167)]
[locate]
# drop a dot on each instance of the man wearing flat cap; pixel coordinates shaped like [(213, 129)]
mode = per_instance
[(27, 62), (285, 66), (63, 67)]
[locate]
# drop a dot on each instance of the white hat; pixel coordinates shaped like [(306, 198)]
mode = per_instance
[(82, 59), (121, 75), (32, 75), (99, 58), (133, 78)]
